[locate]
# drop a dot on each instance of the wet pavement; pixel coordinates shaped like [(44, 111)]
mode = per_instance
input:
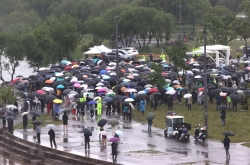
[(138, 146)]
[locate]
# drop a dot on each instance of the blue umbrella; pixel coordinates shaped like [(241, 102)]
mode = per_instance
[(60, 86), (169, 88), (103, 72), (59, 79), (108, 99), (64, 61), (40, 79), (125, 83), (92, 102), (105, 77), (165, 66)]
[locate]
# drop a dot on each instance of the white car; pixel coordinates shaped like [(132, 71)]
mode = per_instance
[(131, 50), (125, 53)]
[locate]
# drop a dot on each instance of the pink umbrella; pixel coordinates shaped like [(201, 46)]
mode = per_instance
[(101, 90), (77, 85), (130, 77), (248, 68), (40, 91)]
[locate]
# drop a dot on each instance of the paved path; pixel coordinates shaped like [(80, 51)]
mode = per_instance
[(139, 147)]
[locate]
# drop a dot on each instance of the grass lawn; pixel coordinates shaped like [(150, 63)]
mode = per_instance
[(236, 122), (46, 119)]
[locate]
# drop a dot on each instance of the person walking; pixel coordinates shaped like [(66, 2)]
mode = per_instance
[(52, 136), (189, 103), (99, 107), (65, 121), (91, 108), (150, 122), (34, 119), (38, 133), (223, 117), (142, 106), (234, 107), (86, 140), (218, 100), (109, 107), (25, 121), (227, 146), (170, 102), (229, 102), (114, 151)]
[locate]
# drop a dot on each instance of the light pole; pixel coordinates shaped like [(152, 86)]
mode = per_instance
[(116, 45), (205, 81), (180, 6)]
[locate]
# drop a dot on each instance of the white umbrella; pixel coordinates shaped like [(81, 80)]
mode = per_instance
[(223, 94), (112, 64), (132, 90), (53, 78), (98, 88), (247, 61), (148, 86), (126, 80), (97, 98), (112, 73), (226, 77), (168, 80), (141, 92), (171, 92), (41, 69), (103, 133), (99, 84), (128, 100), (176, 82), (196, 64), (188, 95), (58, 74), (11, 106), (24, 113), (50, 126), (47, 89), (198, 76), (99, 62)]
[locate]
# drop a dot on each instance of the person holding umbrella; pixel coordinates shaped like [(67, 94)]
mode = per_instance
[(150, 118), (52, 136), (4, 115), (114, 146), (25, 121), (142, 106), (34, 119), (227, 145), (86, 140), (65, 121)]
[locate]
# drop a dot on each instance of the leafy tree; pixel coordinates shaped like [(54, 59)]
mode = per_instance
[(156, 77), (218, 21), (177, 53), (6, 95), (233, 5), (245, 7)]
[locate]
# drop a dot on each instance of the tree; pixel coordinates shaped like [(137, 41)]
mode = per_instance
[(218, 21), (233, 5), (6, 95), (245, 7), (156, 77), (177, 53)]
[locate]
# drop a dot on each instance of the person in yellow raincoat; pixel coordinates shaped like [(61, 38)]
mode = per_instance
[(99, 106), (143, 57), (162, 56)]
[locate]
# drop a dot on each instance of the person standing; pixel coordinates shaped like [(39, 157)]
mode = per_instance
[(114, 151), (223, 117), (218, 100), (91, 108), (42, 105), (229, 102), (34, 119), (99, 107), (10, 126), (189, 103), (227, 145), (170, 102), (86, 140), (4, 115), (52, 136), (65, 121), (156, 102), (151, 98), (25, 121), (38, 133), (108, 111), (142, 106), (150, 122)]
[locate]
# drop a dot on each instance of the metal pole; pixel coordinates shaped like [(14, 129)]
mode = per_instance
[(116, 40), (205, 81), (180, 6)]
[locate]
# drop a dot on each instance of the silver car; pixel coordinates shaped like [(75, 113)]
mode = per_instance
[(122, 57), (124, 52)]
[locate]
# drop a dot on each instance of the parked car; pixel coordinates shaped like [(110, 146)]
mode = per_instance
[(112, 56), (124, 52), (131, 50)]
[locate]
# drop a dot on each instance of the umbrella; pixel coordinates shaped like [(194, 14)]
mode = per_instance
[(129, 100), (11, 107), (32, 113), (92, 102), (10, 113), (87, 132), (50, 126), (153, 90), (148, 86), (114, 140), (215, 92), (26, 99), (188, 95), (235, 98), (228, 133), (132, 90), (171, 92), (125, 103), (50, 98), (10, 118), (150, 116), (107, 99), (171, 113), (113, 122), (57, 101), (60, 86), (103, 133), (222, 107), (66, 91), (119, 133), (40, 92), (42, 96), (37, 122), (102, 122), (24, 113)]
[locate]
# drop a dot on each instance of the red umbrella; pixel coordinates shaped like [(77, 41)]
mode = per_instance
[(68, 68), (15, 80), (153, 90), (200, 89), (40, 91)]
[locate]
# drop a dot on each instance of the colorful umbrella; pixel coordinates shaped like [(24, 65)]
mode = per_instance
[(57, 101)]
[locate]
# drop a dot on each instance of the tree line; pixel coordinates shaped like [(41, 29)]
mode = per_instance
[(47, 31)]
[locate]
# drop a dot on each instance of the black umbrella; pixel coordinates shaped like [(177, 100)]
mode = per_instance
[(195, 87), (139, 88), (125, 103), (10, 118), (87, 132), (32, 113), (10, 113), (78, 96), (228, 133), (235, 98), (102, 122), (37, 122), (50, 98), (229, 90), (26, 99), (4, 109), (211, 86), (117, 87), (42, 96), (215, 92), (222, 107), (117, 97), (66, 91)]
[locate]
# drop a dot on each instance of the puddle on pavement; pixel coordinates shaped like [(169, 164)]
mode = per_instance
[(151, 145), (178, 150), (205, 154), (145, 153), (205, 162)]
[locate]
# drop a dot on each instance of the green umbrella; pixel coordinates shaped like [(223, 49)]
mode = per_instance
[(150, 116), (113, 122)]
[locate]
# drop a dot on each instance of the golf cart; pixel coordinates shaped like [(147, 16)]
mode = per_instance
[(175, 126)]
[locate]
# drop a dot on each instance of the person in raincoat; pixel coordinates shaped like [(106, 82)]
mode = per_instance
[(143, 57), (142, 106), (25, 121), (162, 56), (99, 106)]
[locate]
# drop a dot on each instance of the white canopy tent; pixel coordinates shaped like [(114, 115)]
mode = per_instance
[(93, 50), (208, 52), (104, 49), (217, 48)]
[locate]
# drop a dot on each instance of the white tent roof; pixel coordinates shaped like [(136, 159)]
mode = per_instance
[(104, 49), (93, 50), (216, 47), (201, 52)]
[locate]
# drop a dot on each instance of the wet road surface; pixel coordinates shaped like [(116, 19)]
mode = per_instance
[(138, 146)]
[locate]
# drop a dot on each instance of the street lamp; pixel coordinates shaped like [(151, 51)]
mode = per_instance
[(116, 40), (205, 81), (180, 6)]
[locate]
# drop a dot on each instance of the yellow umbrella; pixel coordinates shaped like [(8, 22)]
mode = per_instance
[(57, 101)]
